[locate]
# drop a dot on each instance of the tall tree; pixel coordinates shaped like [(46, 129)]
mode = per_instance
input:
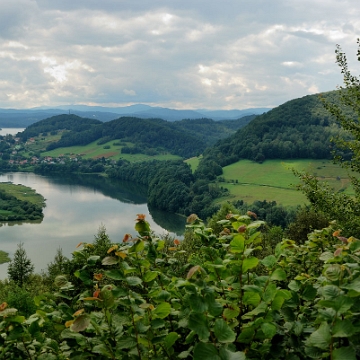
[(21, 267), (343, 208)]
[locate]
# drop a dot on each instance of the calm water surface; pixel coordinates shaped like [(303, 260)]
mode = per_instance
[(75, 209)]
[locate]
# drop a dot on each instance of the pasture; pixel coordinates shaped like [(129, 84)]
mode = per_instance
[(110, 149), (274, 180)]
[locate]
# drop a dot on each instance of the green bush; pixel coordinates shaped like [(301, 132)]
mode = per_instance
[(299, 302)]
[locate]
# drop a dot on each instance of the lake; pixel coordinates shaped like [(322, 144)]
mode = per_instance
[(11, 131), (75, 209)]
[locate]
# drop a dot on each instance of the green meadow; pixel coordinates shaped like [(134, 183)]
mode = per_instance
[(274, 180), (22, 193), (193, 162), (110, 149)]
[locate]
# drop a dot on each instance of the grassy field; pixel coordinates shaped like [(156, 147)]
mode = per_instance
[(274, 180), (22, 192), (111, 149), (193, 162)]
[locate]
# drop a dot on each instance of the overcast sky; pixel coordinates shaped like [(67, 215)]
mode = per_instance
[(183, 54)]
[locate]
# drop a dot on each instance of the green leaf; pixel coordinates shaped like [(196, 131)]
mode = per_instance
[(261, 308), (330, 292), (142, 227), (309, 293), (231, 312), (246, 335), (197, 303), (344, 353), (277, 303), (294, 285), (115, 274), (226, 354), (321, 338), (269, 261), (150, 276), (237, 244), (278, 274), (249, 263), (170, 339), (269, 330), (162, 310), (214, 308), (102, 349), (84, 276), (333, 272), (133, 280), (343, 328), (203, 351), (93, 259), (137, 247), (80, 323), (109, 260), (223, 332), (198, 323), (251, 298), (353, 285), (126, 343)]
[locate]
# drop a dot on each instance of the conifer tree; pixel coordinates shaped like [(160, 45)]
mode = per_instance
[(20, 267)]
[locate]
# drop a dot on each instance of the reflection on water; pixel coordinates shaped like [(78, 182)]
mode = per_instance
[(75, 209)]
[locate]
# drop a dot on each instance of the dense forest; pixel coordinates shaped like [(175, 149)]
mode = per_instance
[(185, 138), (300, 128)]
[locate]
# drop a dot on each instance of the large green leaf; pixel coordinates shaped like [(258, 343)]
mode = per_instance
[(133, 280), (162, 310), (269, 261), (142, 227), (278, 274), (115, 274), (203, 351), (269, 330), (223, 332), (197, 303), (321, 338), (237, 244), (246, 335), (249, 263), (251, 298), (344, 353), (150, 276), (226, 354), (170, 339), (343, 328), (231, 312), (198, 323)]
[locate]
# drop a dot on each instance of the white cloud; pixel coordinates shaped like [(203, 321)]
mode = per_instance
[(179, 54)]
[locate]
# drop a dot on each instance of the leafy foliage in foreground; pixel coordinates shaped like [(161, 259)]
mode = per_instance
[(232, 303)]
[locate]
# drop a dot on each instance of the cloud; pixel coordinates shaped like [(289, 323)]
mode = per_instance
[(181, 54)]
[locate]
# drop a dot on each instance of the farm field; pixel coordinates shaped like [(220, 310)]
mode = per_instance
[(110, 149), (273, 180)]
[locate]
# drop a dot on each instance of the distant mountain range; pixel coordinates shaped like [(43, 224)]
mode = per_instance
[(26, 117)]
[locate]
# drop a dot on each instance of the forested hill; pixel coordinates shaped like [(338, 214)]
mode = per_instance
[(300, 128), (59, 122), (185, 138)]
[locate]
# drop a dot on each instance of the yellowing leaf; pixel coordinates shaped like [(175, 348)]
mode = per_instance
[(112, 249), (121, 254), (69, 323), (79, 312)]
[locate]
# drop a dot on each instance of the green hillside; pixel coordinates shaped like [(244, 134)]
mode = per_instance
[(184, 138), (273, 180), (300, 128)]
